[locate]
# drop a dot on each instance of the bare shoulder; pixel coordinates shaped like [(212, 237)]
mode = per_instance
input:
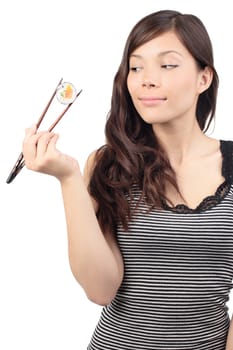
[(91, 161), (89, 167)]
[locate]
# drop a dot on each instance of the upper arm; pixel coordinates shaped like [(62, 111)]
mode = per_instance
[(88, 169), (109, 236), (229, 344)]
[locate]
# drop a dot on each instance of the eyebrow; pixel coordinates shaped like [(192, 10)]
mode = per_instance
[(162, 53)]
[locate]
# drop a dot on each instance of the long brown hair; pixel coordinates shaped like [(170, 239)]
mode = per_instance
[(132, 154)]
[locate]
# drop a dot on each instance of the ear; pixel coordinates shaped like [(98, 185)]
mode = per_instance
[(205, 79)]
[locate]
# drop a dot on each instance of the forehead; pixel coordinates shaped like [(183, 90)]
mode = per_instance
[(165, 43)]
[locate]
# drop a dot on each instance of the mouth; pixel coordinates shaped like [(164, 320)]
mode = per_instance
[(152, 101)]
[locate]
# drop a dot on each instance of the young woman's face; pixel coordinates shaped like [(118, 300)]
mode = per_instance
[(164, 81)]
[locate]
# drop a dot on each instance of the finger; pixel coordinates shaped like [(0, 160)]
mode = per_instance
[(30, 146), (52, 143), (42, 143), (31, 130)]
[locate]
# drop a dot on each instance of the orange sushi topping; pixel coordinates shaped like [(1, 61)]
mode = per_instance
[(68, 91)]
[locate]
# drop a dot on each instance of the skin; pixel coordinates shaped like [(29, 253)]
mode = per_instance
[(229, 344), (164, 83), (94, 257)]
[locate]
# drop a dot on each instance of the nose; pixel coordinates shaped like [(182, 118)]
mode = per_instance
[(149, 84), (151, 77), (151, 80)]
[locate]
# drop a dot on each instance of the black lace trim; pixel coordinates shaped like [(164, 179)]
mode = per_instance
[(209, 202)]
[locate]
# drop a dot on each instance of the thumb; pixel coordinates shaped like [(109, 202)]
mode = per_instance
[(31, 130)]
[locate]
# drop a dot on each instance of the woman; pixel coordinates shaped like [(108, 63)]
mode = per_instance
[(149, 225)]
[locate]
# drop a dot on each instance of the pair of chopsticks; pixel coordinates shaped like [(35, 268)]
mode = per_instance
[(20, 163)]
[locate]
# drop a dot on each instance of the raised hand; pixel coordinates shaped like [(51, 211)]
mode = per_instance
[(41, 155)]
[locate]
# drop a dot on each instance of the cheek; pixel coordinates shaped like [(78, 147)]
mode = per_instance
[(130, 87), (183, 89), (133, 85)]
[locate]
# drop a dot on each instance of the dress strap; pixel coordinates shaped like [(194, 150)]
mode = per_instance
[(227, 166)]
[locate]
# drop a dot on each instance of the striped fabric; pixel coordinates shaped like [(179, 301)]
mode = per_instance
[(178, 274)]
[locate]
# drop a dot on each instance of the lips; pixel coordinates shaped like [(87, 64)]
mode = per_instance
[(151, 100)]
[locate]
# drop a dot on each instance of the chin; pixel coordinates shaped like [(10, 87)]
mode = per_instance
[(155, 120)]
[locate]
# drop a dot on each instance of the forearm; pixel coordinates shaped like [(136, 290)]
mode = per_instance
[(229, 344), (94, 262), (91, 259)]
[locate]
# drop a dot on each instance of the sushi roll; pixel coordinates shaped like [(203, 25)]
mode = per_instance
[(66, 93)]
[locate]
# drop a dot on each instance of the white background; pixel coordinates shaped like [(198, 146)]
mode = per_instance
[(41, 304)]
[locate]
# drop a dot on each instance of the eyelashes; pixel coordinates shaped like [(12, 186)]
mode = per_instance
[(136, 69), (163, 66), (169, 66)]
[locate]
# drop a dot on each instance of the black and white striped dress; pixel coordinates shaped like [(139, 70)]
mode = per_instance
[(178, 274)]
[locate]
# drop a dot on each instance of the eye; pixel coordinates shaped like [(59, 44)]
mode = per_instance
[(169, 66), (135, 69)]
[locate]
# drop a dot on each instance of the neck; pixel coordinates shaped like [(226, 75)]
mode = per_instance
[(181, 143)]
